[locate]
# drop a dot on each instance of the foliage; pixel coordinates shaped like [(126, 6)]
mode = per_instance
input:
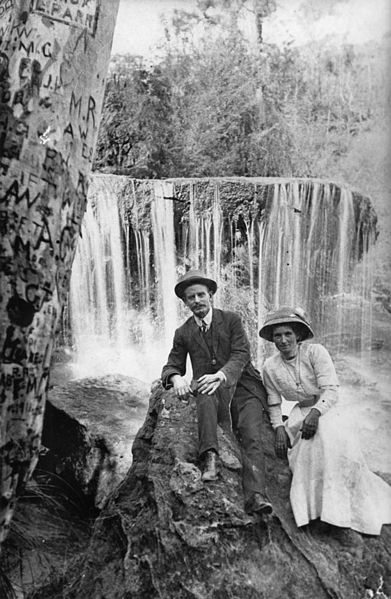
[(217, 105), (237, 294), (378, 593), (6, 589), (135, 126), (50, 526)]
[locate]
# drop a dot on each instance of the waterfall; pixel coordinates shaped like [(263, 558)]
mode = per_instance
[(98, 290), (266, 243), (112, 331), (165, 261)]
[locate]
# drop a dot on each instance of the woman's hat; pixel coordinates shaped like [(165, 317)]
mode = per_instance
[(194, 277), (286, 315)]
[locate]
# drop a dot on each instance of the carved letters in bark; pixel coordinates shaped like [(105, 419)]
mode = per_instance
[(53, 62)]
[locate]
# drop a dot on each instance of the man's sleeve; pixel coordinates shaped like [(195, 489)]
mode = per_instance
[(176, 363), (239, 352)]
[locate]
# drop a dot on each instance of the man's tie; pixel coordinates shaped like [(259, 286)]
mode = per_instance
[(204, 326)]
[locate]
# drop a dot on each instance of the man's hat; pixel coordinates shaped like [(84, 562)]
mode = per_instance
[(194, 277), (286, 315)]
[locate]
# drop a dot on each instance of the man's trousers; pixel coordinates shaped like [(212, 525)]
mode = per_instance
[(247, 424)]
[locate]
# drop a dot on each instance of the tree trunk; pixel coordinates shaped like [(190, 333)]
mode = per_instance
[(53, 62)]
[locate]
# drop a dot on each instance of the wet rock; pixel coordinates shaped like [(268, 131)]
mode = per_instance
[(166, 534), (88, 431)]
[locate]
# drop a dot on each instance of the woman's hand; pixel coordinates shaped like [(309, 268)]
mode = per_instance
[(310, 424), (282, 442)]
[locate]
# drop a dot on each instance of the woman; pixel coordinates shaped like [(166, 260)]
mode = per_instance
[(331, 480)]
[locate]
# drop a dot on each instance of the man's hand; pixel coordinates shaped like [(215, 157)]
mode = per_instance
[(282, 442), (310, 424), (181, 386), (208, 383)]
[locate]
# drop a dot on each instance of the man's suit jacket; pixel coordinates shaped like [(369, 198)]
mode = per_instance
[(231, 350)]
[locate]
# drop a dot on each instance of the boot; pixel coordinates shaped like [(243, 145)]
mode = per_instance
[(210, 466), (258, 504)]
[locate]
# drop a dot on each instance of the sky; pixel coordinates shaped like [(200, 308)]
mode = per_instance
[(139, 27)]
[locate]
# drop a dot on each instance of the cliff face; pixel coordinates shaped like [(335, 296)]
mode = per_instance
[(165, 534)]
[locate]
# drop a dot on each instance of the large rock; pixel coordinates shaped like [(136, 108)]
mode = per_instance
[(164, 534), (89, 428)]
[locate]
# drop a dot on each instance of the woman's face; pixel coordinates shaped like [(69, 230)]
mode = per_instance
[(285, 340)]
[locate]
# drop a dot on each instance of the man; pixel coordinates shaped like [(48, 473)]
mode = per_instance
[(223, 375)]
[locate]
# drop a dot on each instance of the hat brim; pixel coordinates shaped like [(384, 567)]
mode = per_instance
[(183, 285), (266, 331)]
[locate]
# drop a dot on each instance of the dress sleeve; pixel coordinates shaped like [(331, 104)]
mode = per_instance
[(273, 400), (326, 378)]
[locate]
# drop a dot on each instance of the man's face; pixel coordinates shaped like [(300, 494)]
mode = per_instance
[(198, 299)]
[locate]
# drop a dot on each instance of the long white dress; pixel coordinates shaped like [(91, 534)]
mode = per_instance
[(331, 479)]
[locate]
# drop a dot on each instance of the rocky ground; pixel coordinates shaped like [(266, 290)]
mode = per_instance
[(87, 438), (163, 534), (89, 428), (99, 522)]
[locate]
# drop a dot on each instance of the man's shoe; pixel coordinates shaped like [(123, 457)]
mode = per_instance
[(210, 466), (258, 504)]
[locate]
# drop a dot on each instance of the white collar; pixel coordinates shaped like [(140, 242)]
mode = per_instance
[(207, 319)]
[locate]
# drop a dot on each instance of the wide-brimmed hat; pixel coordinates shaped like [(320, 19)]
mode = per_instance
[(194, 277), (286, 315)]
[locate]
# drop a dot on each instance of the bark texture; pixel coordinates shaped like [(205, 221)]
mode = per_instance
[(53, 63), (164, 533)]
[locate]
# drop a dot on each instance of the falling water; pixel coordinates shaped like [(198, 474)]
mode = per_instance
[(266, 243), (98, 275), (165, 260), (261, 305), (109, 331)]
